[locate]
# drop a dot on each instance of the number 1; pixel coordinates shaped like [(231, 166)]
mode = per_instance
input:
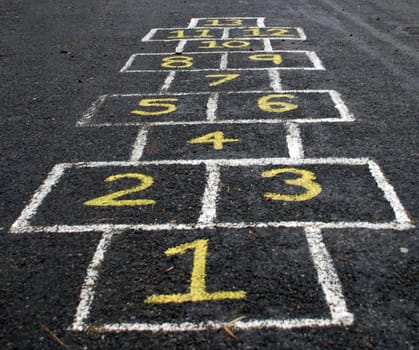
[(197, 290)]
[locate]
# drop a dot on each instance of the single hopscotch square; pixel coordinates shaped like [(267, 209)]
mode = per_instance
[(201, 280)]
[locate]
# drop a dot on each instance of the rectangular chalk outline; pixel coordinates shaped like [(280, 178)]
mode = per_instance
[(327, 278), (311, 55), (400, 222), (345, 115), (152, 32)]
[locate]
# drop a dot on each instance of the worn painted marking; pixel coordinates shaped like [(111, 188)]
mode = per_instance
[(223, 32), (211, 141), (327, 280), (139, 144), (401, 219), (244, 21), (87, 293), (291, 60), (218, 105)]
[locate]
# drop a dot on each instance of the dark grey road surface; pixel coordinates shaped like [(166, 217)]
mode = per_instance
[(59, 57)]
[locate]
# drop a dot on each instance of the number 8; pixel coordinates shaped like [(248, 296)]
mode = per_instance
[(177, 62)]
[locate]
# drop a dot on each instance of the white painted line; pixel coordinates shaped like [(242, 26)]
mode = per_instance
[(306, 52), (87, 293), (267, 45), (203, 18), (212, 107), (46, 187), (210, 325), (317, 63), (328, 278), (294, 141), (224, 61), (150, 34), (224, 225), (341, 106), (179, 48), (86, 118), (209, 199), (193, 22), (128, 64), (301, 33), (261, 22), (308, 91), (228, 69), (168, 81), (223, 121), (275, 80), (390, 194), (226, 33), (225, 162), (220, 122), (139, 144)]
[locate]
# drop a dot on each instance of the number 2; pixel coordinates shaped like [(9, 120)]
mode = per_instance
[(111, 199)]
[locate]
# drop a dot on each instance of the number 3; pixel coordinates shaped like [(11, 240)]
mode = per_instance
[(306, 181)]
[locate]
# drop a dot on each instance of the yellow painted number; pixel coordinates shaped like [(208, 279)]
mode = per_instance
[(180, 34), (197, 289), (161, 103), (177, 62), (305, 180), (112, 198), (275, 58), (222, 23), (216, 138), (257, 32), (232, 44), (272, 103), (223, 78)]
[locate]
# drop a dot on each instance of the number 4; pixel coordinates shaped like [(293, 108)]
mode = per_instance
[(216, 138)]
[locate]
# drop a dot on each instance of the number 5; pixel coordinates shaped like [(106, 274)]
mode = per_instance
[(156, 102)]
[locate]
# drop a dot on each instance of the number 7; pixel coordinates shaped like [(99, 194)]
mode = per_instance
[(224, 78)]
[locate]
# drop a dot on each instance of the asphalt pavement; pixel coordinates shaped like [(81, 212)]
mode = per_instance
[(209, 175)]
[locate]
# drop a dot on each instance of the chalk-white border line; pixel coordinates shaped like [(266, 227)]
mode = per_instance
[(260, 21), (327, 278), (226, 35), (311, 55), (344, 113), (401, 220)]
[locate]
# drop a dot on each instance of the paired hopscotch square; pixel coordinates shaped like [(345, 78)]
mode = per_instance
[(223, 60), (290, 282), (224, 33), (217, 107), (190, 194)]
